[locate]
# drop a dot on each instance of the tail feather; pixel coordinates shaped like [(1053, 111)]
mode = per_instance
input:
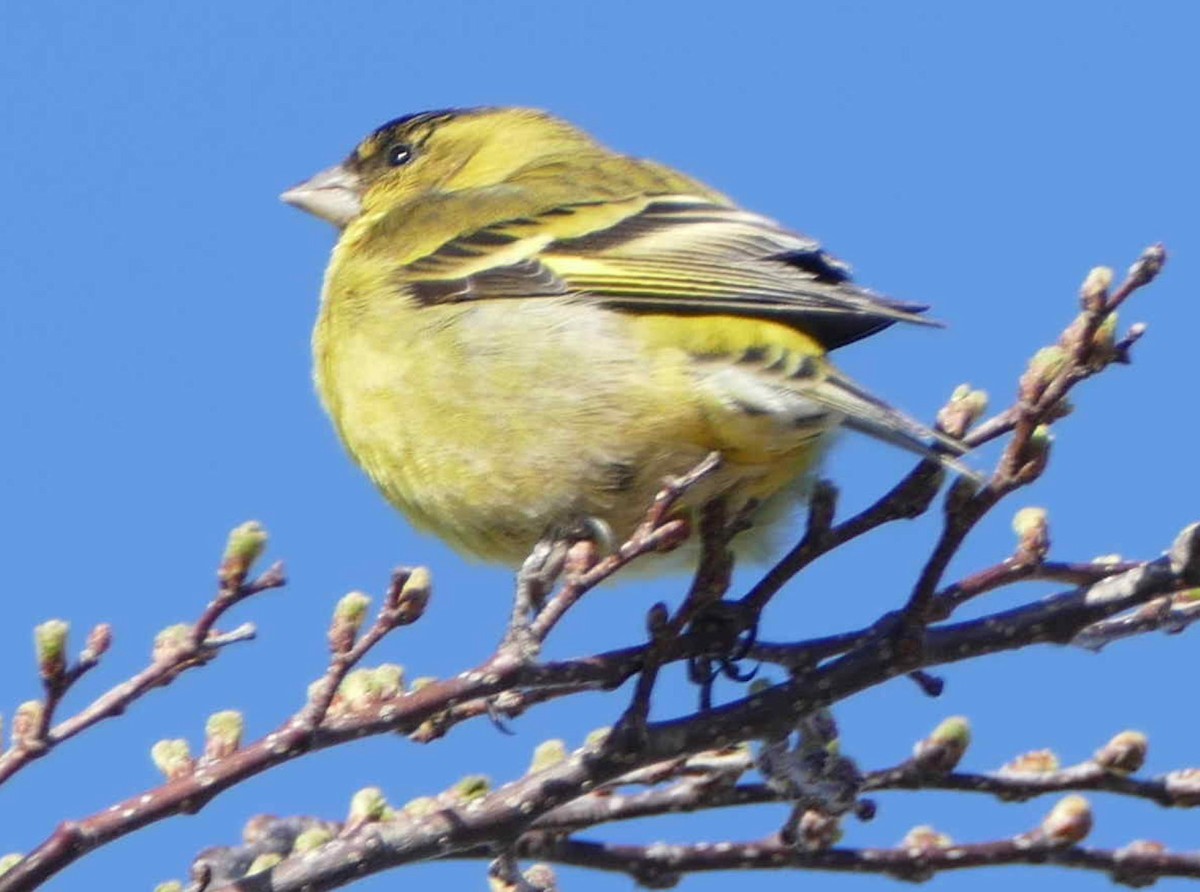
[(870, 415)]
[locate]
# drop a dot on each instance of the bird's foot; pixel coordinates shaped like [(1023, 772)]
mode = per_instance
[(727, 631)]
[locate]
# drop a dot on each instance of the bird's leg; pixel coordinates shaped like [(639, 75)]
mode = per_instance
[(728, 628), (535, 579)]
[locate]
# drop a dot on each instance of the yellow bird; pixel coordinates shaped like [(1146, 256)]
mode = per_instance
[(522, 333)]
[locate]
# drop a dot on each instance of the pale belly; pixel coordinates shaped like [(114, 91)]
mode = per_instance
[(528, 421)]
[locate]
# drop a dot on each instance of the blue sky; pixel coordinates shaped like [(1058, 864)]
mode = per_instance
[(157, 302)]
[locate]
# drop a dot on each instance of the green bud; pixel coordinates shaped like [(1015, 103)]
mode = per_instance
[(263, 862), (348, 617), (358, 688), (171, 642), (1069, 822), (959, 392), (1049, 361), (548, 754), (1043, 368), (50, 644), (312, 838), (414, 594), (245, 545), (389, 680), (9, 861), (1033, 533), (1041, 438), (596, 738), (1105, 339), (965, 407), (421, 682), (368, 804), (472, 787), (169, 886), (942, 750), (173, 758), (1094, 293), (352, 609), (223, 733), (1036, 452)]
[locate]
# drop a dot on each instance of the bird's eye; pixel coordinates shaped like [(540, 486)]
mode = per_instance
[(399, 155)]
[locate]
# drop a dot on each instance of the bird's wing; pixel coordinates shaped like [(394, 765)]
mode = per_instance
[(672, 254), (682, 255)]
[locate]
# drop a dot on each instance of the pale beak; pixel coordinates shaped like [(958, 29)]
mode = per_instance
[(332, 195)]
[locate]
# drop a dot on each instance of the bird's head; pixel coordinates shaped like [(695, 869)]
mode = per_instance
[(435, 152)]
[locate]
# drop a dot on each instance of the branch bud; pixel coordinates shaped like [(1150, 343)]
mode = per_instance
[(472, 787), (348, 617), (942, 750), (815, 831), (171, 642), (9, 861), (168, 886), (1069, 822), (1036, 453), (541, 878), (597, 737), (27, 724), (312, 838), (50, 645), (173, 758), (1184, 786), (414, 595), (1033, 535), (1043, 368), (1148, 266), (389, 680), (357, 689), (1034, 762), (1104, 341), (263, 862), (367, 806), (223, 734), (1124, 754), (547, 754), (965, 407), (924, 840), (1094, 293), (99, 640), (245, 545)]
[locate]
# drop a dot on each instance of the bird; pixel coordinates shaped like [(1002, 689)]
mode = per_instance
[(523, 333)]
